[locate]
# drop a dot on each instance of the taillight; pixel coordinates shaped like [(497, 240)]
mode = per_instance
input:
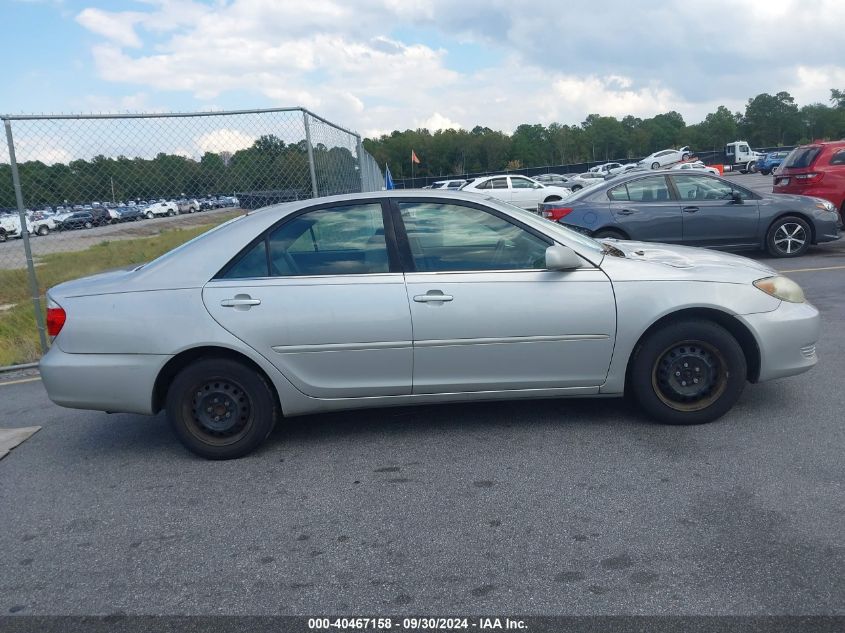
[(56, 317), (811, 178), (556, 213)]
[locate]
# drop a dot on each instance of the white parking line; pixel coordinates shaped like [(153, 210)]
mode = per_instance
[(18, 382), (810, 270)]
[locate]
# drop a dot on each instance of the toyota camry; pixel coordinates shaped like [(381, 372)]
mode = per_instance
[(397, 298)]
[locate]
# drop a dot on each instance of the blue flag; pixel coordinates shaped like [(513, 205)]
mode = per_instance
[(388, 179)]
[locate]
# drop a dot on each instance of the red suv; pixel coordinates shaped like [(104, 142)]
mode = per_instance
[(815, 170)]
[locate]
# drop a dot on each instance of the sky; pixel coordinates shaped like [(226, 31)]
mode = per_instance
[(378, 65)]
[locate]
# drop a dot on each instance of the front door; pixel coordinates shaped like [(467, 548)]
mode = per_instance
[(524, 193), (318, 296), (712, 216), (486, 314)]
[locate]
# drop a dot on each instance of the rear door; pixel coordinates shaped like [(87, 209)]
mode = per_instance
[(710, 214), (321, 296), (646, 209)]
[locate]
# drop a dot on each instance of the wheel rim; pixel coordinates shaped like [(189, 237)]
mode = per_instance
[(218, 411), (689, 376), (790, 237)]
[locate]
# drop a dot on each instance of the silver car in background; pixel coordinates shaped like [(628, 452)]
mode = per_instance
[(397, 298)]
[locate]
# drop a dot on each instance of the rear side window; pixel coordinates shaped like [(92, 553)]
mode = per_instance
[(838, 158), (801, 157), (653, 189), (337, 241)]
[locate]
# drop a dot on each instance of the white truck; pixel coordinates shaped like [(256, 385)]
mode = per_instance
[(739, 155)]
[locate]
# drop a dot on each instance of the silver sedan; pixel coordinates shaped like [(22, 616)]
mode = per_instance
[(397, 298)]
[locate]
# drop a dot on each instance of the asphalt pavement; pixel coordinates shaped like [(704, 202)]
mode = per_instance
[(553, 507)]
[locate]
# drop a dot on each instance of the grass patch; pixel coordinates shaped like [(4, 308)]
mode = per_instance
[(18, 333)]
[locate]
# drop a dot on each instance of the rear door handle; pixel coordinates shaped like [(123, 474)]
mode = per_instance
[(690, 209), (626, 212), (431, 296), (240, 302)]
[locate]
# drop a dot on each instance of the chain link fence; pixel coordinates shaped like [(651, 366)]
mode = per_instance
[(81, 194)]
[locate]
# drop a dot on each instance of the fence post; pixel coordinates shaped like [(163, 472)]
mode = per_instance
[(360, 149), (310, 148), (30, 267)]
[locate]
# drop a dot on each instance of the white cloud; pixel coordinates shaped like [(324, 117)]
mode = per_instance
[(224, 140), (343, 59)]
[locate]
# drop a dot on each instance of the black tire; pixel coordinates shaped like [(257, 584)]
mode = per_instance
[(765, 172), (150, 215), (576, 187), (171, 213), (89, 225), (789, 236), (685, 156), (2, 235), (228, 388), (655, 165), (552, 199), (688, 372), (612, 234), (43, 230)]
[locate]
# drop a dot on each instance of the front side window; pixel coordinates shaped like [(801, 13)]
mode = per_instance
[(337, 241), (652, 189), (452, 238), (706, 188), (618, 193)]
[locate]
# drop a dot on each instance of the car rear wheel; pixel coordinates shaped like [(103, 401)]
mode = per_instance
[(221, 409), (150, 215), (789, 236), (685, 156), (89, 225), (2, 235), (609, 234), (689, 372), (43, 230), (655, 165)]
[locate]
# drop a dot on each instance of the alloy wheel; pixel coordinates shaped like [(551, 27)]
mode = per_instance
[(790, 237)]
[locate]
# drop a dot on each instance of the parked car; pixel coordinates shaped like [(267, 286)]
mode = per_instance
[(607, 169), (75, 220), (696, 166), (770, 162), (10, 226), (160, 209), (818, 170), (41, 224), (665, 157), (452, 185), (558, 180), (697, 209), (520, 191), (130, 214), (322, 305), (187, 206)]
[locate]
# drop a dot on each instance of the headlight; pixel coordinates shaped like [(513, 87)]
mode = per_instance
[(781, 288), (824, 205)]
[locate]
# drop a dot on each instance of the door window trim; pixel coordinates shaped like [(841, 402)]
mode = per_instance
[(404, 245), (389, 238)]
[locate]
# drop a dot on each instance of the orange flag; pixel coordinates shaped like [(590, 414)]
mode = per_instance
[(414, 158)]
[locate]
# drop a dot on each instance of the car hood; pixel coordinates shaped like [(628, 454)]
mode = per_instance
[(668, 260)]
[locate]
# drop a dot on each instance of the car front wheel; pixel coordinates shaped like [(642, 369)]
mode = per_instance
[(655, 165), (688, 372), (788, 237), (43, 230), (221, 409)]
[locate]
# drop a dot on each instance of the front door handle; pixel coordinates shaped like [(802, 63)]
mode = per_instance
[(626, 212), (432, 296), (690, 209), (240, 302)]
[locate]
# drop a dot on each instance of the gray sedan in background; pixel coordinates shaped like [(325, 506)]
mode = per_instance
[(398, 298), (697, 210)]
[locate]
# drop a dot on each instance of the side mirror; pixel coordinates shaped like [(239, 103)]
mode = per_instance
[(736, 196), (559, 257)]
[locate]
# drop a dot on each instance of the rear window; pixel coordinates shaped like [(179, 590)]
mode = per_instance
[(801, 157)]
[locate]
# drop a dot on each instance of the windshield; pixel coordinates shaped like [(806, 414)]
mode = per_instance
[(801, 157)]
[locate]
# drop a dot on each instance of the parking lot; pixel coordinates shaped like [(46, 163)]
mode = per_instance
[(553, 507)]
